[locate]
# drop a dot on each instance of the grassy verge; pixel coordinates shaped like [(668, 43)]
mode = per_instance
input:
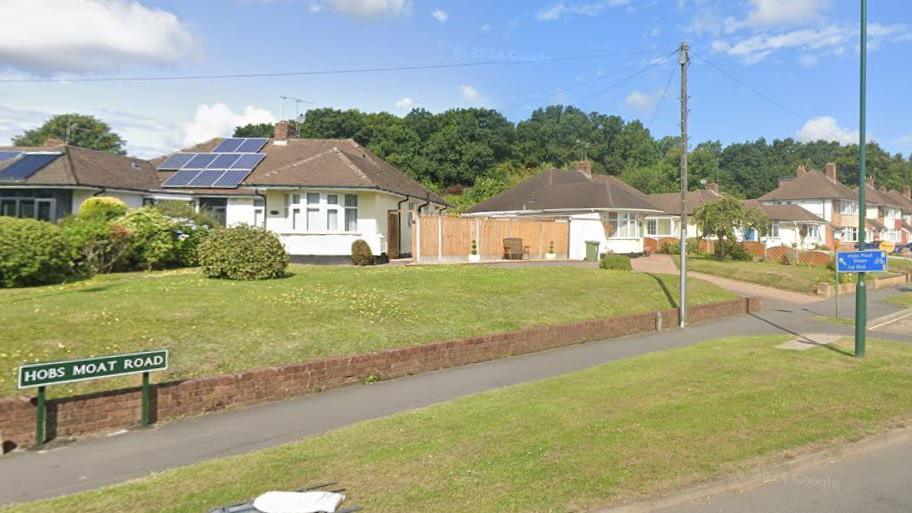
[(835, 320), (900, 264), (622, 431), (218, 326), (799, 278), (900, 299)]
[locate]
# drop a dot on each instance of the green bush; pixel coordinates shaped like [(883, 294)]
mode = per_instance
[(733, 250), (361, 253), (102, 207), (181, 210), (674, 248), (155, 243), (242, 253), (615, 262), (99, 245), (33, 253)]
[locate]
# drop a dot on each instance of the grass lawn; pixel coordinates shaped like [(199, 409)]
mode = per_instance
[(900, 264), (621, 431), (799, 278), (219, 326), (900, 299)]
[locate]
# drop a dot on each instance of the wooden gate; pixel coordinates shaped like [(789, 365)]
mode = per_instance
[(392, 225)]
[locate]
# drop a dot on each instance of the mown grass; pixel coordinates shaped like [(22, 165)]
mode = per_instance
[(218, 326), (904, 299), (900, 264), (622, 431)]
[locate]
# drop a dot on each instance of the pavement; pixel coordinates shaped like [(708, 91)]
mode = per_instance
[(872, 477), (100, 461)]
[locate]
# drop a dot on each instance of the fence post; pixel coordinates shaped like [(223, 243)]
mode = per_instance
[(439, 238)]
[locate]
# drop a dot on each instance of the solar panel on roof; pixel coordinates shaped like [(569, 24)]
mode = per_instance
[(252, 145), (228, 145), (175, 161), (248, 161), (180, 178), (6, 155), (27, 165), (223, 161), (231, 178), (200, 161), (206, 178)]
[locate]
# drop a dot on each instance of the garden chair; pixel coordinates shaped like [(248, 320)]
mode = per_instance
[(514, 249)]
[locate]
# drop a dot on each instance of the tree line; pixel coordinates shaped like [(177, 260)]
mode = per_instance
[(474, 153)]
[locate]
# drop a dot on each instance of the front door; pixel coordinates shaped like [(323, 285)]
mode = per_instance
[(392, 223)]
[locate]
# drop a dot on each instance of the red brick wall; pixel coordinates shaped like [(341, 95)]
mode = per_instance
[(118, 409)]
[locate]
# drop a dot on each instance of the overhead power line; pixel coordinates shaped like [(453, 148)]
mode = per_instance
[(341, 71), (661, 98)]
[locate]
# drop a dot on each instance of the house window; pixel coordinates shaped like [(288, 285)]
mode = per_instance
[(660, 227), (351, 212), (848, 207), (849, 234), (773, 231), (41, 209), (259, 211), (314, 212), (623, 225)]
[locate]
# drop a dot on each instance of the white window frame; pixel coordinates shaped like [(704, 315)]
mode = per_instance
[(656, 232), (847, 207), (632, 225), (849, 229), (309, 212)]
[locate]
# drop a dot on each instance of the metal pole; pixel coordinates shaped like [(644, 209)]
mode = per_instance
[(40, 416), (682, 296), (861, 293), (146, 400)]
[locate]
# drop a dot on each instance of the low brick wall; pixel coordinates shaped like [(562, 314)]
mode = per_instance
[(829, 289), (117, 409)]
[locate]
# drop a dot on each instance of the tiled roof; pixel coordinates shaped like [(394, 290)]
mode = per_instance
[(670, 203), (873, 224), (341, 163), (792, 213), (904, 203), (556, 189), (809, 185), (84, 167)]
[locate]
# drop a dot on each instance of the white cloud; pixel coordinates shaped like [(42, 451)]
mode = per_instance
[(218, 120), (758, 47), (766, 13), (89, 35), (405, 103), (470, 93), (555, 11), (486, 28), (440, 15), (642, 102), (808, 60), (371, 8), (826, 128)]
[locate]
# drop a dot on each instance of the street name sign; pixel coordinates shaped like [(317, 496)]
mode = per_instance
[(83, 369), (861, 261)]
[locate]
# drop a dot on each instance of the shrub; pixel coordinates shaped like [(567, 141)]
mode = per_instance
[(674, 248), (181, 210), (33, 253), (733, 250), (155, 243), (615, 262), (361, 253), (102, 207), (242, 253), (99, 245)]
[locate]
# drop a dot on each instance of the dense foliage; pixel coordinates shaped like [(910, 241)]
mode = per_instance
[(615, 262), (102, 207), (33, 253), (723, 218), (361, 253), (242, 253), (99, 244), (77, 129), (475, 153)]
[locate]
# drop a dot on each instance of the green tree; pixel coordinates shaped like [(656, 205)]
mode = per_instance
[(721, 218), (255, 130), (76, 129)]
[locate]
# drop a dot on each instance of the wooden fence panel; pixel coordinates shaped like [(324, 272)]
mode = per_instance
[(493, 232), (450, 238)]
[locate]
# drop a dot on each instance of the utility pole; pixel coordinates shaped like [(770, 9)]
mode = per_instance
[(682, 297), (861, 293)]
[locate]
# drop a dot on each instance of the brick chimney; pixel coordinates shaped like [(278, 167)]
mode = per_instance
[(831, 171), (283, 132), (585, 167), (712, 187), (801, 170), (907, 191)]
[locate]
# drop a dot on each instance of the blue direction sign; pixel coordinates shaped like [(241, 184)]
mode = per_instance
[(861, 261)]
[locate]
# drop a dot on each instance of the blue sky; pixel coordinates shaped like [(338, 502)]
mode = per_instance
[(801, 53)]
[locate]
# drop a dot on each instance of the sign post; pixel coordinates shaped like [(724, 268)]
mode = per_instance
[(40, 375), (858, 262)]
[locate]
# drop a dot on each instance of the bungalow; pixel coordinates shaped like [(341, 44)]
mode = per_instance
[(666, 224), (51, 182), (318, 195), (599, 208), (790, 225)]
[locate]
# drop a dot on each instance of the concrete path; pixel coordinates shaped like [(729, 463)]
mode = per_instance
[(873, 478), (106, 460), (655, 263)]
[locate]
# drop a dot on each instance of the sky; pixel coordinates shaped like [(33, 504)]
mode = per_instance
[(759, 68)]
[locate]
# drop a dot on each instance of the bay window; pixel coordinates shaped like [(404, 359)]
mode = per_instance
[(315, 212), (848, 207), (623, 225), (660, 227)]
